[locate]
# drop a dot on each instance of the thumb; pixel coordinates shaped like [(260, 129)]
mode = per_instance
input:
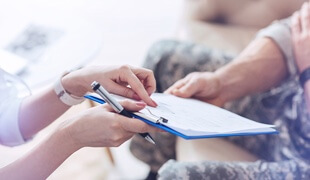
[(136, 125)]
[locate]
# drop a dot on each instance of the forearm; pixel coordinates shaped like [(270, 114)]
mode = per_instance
[(258, 68), (42, 160), (38, 111)]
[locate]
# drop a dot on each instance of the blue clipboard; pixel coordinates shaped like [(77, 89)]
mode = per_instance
[(172, 131)]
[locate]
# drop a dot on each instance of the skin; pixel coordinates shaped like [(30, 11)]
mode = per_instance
[(239, 78), (246, 75), (95, 127), (301, 41), (36, 112)]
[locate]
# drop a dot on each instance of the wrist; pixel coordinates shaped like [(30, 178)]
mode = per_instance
[(64, 94), (64, 136), (218, 97), (73, 84), (224, 86)]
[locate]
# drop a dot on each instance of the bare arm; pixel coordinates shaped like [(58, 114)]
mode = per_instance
[(258, 68), (94, 127), (40, 110), (40, 162)]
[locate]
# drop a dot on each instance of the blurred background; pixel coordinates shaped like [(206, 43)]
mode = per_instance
[(40, 39), (66, 34)]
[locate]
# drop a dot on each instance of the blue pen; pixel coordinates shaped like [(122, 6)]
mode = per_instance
[(116, 106)]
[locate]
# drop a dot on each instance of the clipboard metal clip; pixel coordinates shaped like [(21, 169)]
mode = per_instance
[(163, 120), (159, 120)]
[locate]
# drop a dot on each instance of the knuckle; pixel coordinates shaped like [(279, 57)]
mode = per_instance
[(127, 92), (150, 72), (104, 106), (199, 77), (196, 80), (126, 102), (115, 144), (117, 138), (115, 125), (191, 74), (195, 75), (124, 67)]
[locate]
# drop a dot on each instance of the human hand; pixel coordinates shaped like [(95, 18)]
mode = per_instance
[(204, 86), (128, 81), (101, 127), (301, 36)]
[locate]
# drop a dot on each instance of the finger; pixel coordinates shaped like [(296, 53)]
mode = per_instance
[(150, 90), (105, 106), (305, 17), (132, 124), (296, 29), (138, 88), (188, 90), (147, 76), (176, 85), (121, 89), (137, 126), (133, 106), (154, 129), (126, 77)]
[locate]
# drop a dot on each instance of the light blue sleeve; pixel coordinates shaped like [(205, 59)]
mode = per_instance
[(10, 134)]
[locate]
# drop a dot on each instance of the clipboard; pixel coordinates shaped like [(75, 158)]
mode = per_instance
[(159, 122)]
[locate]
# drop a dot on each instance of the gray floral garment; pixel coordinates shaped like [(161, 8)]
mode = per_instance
[(282, 156)]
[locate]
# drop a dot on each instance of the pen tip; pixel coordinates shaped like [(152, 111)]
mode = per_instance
[(149, 139)]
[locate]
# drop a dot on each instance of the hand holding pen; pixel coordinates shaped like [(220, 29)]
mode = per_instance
[(116, 106)]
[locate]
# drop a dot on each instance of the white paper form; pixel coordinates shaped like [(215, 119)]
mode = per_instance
[(197, 117)]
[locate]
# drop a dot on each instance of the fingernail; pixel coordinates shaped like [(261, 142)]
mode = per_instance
[(154, 103), (140, 104)]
